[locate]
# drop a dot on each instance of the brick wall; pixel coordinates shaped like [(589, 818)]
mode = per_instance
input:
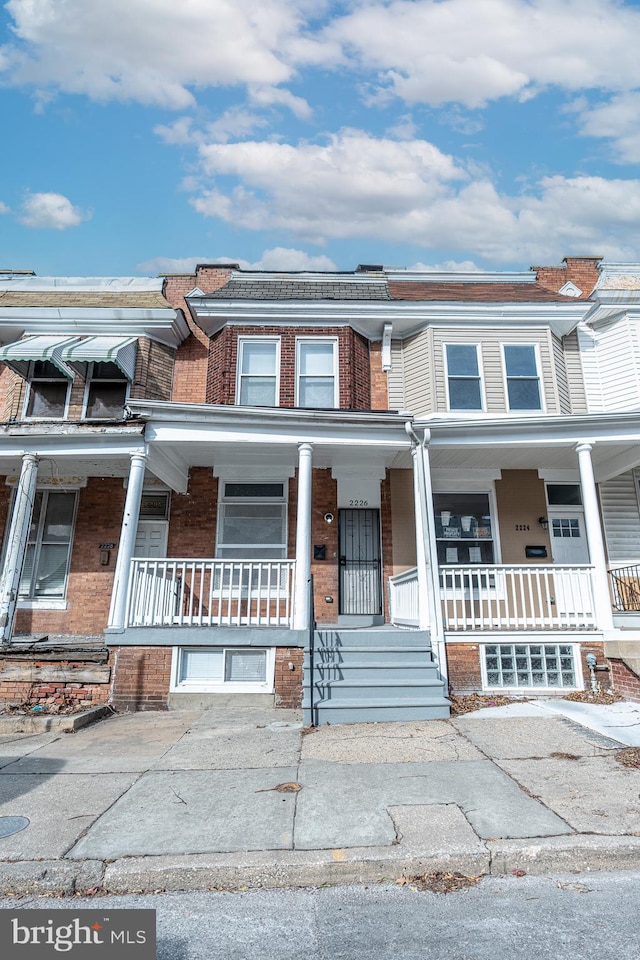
[(379, 385), (583, 271), (624, 681), (141, 678), (53, 694), (153, 377), (190, 372), (192, 523), (354, 373), (288, 682), (464, 668)]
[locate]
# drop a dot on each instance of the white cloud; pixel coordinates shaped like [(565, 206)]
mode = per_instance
[(409, 192), (151, 51), (471, 52), (447, 266), (4, 208), (51, 211), (619, 120), (277, 258)]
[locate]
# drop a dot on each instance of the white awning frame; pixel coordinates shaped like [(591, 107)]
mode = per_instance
[(119, 350), (20, 355)]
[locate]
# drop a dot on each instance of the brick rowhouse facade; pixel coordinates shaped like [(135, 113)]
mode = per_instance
[(202, 370)]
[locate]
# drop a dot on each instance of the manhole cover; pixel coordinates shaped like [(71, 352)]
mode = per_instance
[(10, 825)]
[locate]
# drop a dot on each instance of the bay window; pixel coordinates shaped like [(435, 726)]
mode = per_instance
[(464, 387), (522, 375)]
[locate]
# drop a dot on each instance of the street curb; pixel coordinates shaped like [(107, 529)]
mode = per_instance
[(51, 723), (314, 868)]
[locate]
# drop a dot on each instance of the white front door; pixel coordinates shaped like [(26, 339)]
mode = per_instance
[(151, 539), (568, 539)]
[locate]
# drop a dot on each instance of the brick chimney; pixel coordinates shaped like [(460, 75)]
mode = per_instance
[(581, 271)]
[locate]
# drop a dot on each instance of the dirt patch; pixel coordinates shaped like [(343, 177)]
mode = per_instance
[(44, 710), (629, 757), (439, 882), (477, 701), (587, 696)]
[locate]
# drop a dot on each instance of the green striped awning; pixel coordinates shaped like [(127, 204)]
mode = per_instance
[(20, 354), (118, 350)]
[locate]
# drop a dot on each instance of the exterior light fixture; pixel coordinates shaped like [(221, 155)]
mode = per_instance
[(544, 522)]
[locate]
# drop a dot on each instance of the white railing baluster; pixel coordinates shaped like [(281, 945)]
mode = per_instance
[(209, 592), (511, 597)]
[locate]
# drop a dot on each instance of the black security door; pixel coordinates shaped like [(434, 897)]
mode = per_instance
[(360, 568)]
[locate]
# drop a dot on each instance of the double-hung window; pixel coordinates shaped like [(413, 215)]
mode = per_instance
[(46, 564), (257, 376), (523, 378), (463, 376), (106, 392), (252, 522), (48, 391), (317, 373)]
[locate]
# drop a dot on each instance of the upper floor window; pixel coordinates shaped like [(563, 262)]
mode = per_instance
[(48, 391), (317, 373), (463, 376), (257, 379), (106, 392), (523, 378)]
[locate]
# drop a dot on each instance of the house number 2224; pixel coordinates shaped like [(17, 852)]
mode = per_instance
[(358, 503)]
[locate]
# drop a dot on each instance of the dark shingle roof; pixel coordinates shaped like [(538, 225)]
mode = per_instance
[(285, 288)]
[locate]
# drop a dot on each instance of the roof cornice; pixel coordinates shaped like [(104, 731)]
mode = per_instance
[(164, 324), (369, 317)]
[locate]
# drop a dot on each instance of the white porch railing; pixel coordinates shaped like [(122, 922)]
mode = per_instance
[(222, 593), (403, 599), (530, 597)]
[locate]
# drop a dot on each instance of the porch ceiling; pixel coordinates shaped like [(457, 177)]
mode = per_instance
[(275, 456), (609, 458)]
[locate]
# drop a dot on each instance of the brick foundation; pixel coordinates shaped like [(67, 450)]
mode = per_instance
[(49, 683), (141, 677), (464, 668), (465, 675), (287, 682), (624, 681)]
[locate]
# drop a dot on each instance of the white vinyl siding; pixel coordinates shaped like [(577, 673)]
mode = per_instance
[(395, 377), (610, 358), (562, 380), (575, 376), (621, 516)]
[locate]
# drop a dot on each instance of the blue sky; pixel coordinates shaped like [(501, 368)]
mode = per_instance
[(143, 136)]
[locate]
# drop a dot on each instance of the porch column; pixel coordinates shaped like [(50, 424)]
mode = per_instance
[(302, 582), (17, 545), (127, 543), (425, 612), (593, 529), (431, 549)]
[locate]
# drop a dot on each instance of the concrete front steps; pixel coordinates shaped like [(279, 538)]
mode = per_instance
[(624, 646), (372, 674)]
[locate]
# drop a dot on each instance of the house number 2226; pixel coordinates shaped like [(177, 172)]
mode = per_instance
[(358, 503)]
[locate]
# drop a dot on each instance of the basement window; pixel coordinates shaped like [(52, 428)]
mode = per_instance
[(223, 670), (526, 666)]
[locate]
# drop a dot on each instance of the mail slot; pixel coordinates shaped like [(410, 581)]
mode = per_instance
[(535, 553)]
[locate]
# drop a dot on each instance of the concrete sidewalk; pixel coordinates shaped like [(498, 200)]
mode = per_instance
[(240, 796)]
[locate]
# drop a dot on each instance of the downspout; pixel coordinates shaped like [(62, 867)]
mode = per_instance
[(425, 506)]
